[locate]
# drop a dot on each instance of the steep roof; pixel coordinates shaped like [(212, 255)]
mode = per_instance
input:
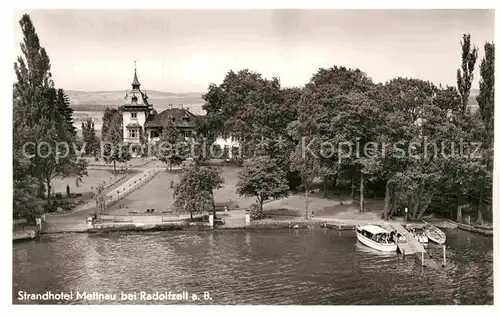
[(133, 124), (136, 97), (176, 115), (136, 81)]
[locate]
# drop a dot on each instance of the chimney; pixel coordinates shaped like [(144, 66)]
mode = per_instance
[(181, 106), (170, 105)]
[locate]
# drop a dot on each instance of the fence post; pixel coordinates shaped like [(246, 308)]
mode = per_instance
[(39, 223), (211, 219), (444, 255)]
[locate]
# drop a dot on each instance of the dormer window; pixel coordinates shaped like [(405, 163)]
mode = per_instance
[(134, 115)]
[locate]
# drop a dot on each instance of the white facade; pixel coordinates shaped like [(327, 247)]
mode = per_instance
[(130, 132), (227, 143)]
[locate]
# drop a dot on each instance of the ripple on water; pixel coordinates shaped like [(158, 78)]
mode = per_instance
[(315, 266)]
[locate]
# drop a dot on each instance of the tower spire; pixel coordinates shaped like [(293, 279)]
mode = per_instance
[(135, 83)]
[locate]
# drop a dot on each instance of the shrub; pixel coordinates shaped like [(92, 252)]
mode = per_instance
[(256, 212), (58, 195), (68, 191)]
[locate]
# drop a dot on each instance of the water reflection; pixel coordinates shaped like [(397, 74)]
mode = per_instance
[(315, 266)]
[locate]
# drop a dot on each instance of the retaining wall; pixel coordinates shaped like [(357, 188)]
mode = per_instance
[(145, 219)]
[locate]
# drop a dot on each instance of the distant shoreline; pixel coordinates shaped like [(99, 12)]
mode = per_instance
[(92, 107), (193, 107)]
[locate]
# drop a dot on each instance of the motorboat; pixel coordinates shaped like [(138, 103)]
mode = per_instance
[(419, 232), (376, 237), (435, 234)]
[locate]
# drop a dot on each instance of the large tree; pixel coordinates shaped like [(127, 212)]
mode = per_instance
[(465, 74), (262, 178), (171, 146), (90, 140), (42, 120), (194, 193), (339, 110), (248, 108), (486, 102), (113, 149), (465, 77), (305, 158), (111, 120), (255, 111), (410, 119), (486, 97)]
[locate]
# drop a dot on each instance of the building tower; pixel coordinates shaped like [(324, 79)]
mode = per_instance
[(135, 112)]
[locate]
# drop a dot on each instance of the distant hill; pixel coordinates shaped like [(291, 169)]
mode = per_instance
[(96, 101), (99, 100)]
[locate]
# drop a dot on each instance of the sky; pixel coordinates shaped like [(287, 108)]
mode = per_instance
[(186, 50)]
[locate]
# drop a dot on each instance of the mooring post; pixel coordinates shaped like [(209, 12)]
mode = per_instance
[(211, 219), (39, 223), (444, 255), (397, 248), (90, 223)]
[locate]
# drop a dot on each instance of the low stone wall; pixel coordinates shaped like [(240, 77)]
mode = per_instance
[(117, 227), (145, 219), (284, 224), (24, 234)]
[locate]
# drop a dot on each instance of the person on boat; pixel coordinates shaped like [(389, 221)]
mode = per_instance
[(392, 238)]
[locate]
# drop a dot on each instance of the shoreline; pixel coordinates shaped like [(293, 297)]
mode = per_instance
[(335, 224)]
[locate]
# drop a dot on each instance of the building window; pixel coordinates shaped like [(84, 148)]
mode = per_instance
[(134, 115), (133, 133), (155, 134)]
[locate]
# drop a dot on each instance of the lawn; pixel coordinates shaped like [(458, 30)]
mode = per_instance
[(227, 194), (155, 194), (94, 177), (158, 195)]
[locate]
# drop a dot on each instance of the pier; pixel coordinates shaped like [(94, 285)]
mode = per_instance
[(412, 246)]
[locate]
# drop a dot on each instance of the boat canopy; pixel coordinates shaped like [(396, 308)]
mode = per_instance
[(374, 229)]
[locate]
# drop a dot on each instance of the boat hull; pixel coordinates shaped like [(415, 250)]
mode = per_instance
[(436, 235), (375, 245)]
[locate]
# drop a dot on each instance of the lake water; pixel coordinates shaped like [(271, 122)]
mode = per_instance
[(302, 267)]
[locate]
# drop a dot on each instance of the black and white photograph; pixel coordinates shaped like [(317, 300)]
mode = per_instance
[(300, 156)]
